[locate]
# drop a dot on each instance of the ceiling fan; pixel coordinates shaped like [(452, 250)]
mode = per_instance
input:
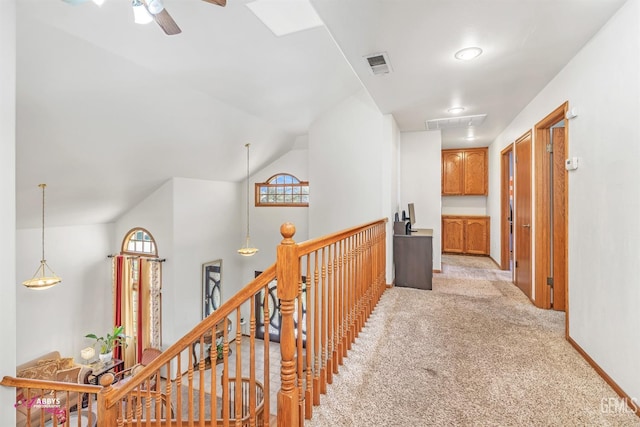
[(146, 11)]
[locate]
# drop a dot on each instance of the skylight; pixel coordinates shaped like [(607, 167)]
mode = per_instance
[(286, 16)]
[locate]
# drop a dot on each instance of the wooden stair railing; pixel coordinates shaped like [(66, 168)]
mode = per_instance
[(345, 278)]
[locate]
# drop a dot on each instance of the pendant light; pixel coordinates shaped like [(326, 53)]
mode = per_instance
[(247, 249), (40, 280)]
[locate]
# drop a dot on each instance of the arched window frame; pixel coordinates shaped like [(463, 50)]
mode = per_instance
[(293, 191), (153, 253)]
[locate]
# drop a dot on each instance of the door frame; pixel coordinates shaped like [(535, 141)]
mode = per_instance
[(504, 208), (543, 210), (531, 291)]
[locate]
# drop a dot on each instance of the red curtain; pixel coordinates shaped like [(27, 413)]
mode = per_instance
[(141, 318), (117, 299)]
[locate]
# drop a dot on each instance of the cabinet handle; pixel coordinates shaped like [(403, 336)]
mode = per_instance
[(526, 225)]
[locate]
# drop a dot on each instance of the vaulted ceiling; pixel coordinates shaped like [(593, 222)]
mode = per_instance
[(108, 110)]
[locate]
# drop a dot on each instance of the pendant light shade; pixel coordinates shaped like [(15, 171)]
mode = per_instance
[(247, 249), (44, 276)]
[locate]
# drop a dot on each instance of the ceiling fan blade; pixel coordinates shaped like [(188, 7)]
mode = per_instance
[(167, 23), (222, 3)]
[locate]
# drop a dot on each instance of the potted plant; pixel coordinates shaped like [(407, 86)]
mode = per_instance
[(113, 339)]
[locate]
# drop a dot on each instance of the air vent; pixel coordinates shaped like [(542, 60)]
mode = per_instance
[(379, 63), (456, 122)]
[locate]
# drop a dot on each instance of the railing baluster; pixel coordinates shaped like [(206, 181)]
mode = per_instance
[(299, 336), (324, 325), (238, 396), (317, 354), (267, 387)]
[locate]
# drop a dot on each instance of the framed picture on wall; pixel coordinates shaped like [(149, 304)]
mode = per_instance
[(211, 287)]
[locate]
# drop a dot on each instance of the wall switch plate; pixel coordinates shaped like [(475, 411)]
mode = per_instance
[(571, 164)]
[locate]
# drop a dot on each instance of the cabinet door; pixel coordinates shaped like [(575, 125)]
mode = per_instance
[(452, 169), (475, 172), (453, 235), (477, 233)]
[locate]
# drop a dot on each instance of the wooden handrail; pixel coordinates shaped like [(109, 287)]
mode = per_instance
[(48, 385), (121, 389), (309, 246)]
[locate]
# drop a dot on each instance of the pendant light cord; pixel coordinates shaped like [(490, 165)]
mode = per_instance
[(43, 187), (247, 145)]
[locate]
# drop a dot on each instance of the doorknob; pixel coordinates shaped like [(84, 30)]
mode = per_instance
[(526, 225)]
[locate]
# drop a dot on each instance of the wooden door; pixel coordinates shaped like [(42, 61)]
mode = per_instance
[(551, 226), (506, 209), (559, 254), (452, 167), (453, 235), (476, 236), (523, 214), (475, 172)]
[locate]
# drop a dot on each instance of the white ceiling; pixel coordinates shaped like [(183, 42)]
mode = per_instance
[(108, 110)]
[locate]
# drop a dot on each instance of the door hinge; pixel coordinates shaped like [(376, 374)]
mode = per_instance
[(550, 281), (549, 148)]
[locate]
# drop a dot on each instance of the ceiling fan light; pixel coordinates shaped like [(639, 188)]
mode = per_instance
[(154, 7), (140, 13)]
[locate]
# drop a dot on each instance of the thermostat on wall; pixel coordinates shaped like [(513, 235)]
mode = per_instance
[(571, 164)]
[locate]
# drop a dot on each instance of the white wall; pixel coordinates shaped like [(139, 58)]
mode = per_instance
[(346, 147), (602, 81), (266, 221), (58, 318), (391, 174), (464, 205), (420, 176), (348, 166), (8, 206), (207, 226)]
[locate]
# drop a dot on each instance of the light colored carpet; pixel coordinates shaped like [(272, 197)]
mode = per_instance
[(472, 352)]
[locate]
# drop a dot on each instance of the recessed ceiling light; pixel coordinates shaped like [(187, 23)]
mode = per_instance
[(468, 53), (456, 110)]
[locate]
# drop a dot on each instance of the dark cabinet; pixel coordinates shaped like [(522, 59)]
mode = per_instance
[(413, 259)]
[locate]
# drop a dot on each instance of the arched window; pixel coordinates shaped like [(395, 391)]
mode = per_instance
[(139, 242), (282, 190), (137, 293)]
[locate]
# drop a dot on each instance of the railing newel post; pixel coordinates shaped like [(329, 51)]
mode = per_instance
[(107, 416), (287, 275)]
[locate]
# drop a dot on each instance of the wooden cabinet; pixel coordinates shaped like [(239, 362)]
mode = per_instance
[(465, 172), (453, 235), (465, 234)]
